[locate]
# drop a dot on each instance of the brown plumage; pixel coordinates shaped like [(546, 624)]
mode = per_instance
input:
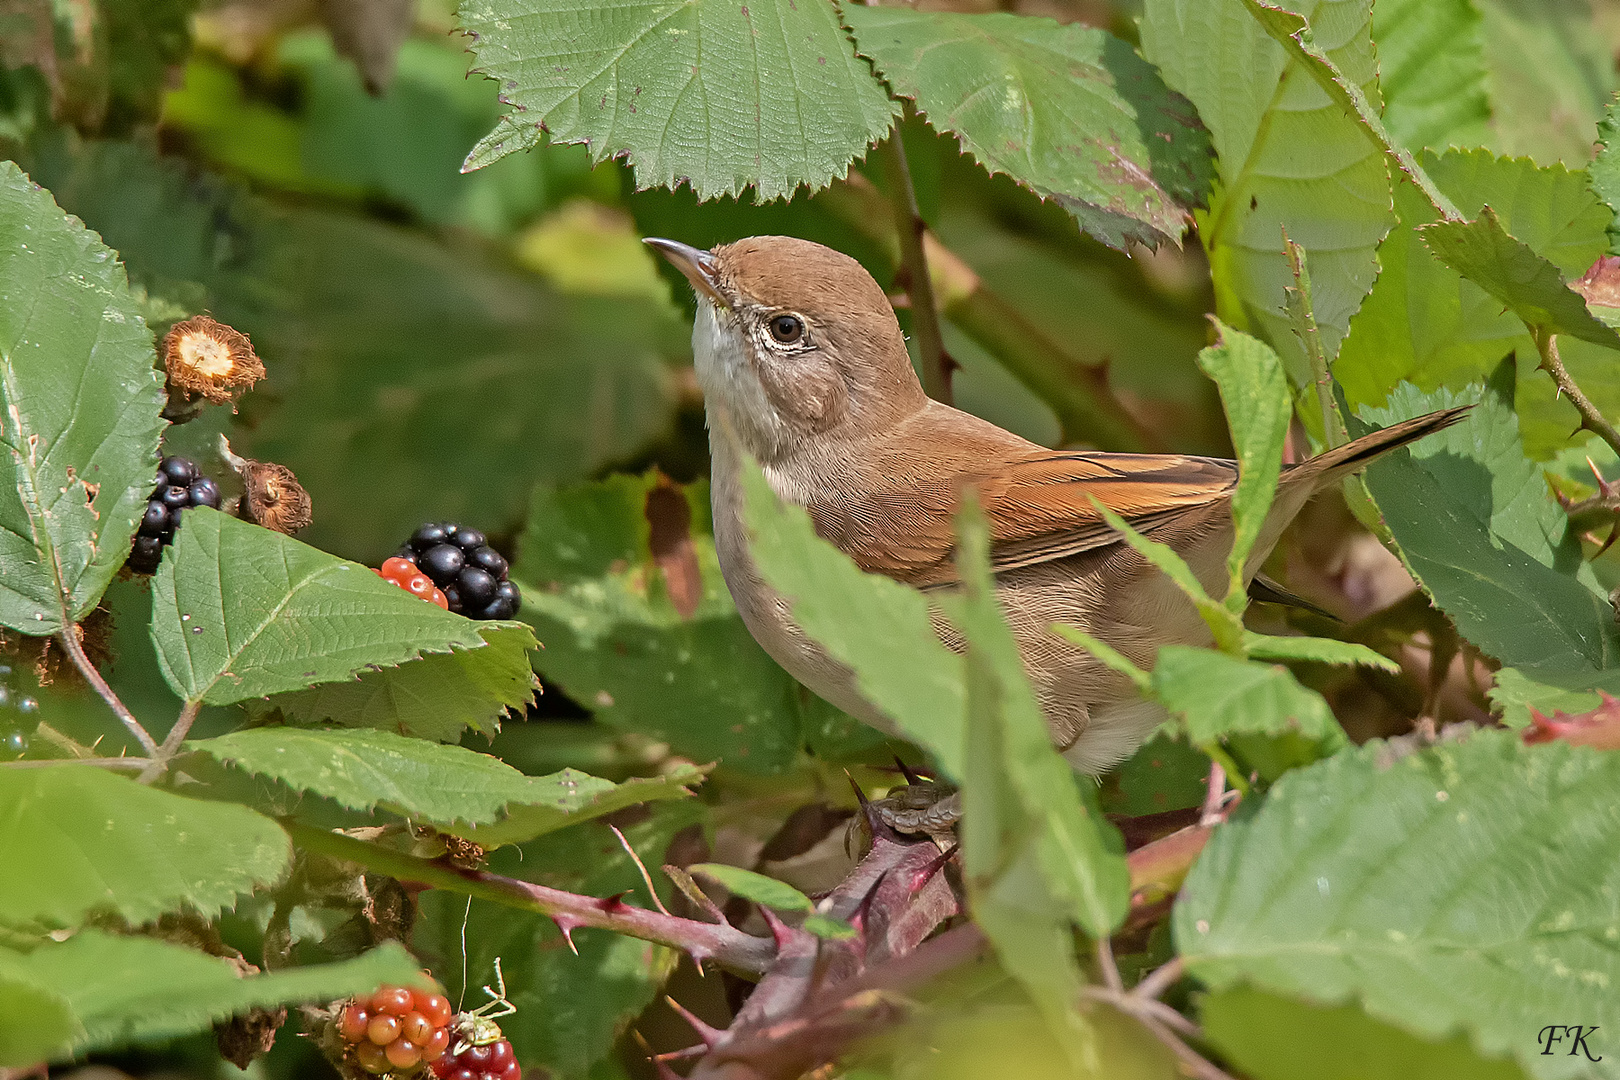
[(803, 366)]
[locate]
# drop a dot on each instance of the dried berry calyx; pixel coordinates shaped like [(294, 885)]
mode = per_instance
[(271, 494), (460, 561), (210, 360), (180, 485), (395, 1030)]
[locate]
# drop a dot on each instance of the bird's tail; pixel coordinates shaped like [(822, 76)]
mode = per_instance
[(1331, 465)]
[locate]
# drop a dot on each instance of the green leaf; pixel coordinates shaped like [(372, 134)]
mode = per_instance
[(405, 145), (756, 887), (364, 769), (1482, 462), (1254, 391), (1317, 651), (39, 1022), (1460, 514), (1551, 71), (1293, 33), (1514, 608), (881, 630), (616, 641), (1431, 68), (723, 97), (1166, 773), (435, 696), (1080, 855), (1604, 173), (389, 346), (1220, 695), (1516, 692), (1508, 269), (1425, 323), (124, 990), (1288, 156), (829, 929), (77, 840), (1274, 1038), (1015, 895), (239, 611), (1071, 112), (1469, 886), (582, 798), (79, 411)]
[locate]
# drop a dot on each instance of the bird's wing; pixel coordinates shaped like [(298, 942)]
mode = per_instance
[(1038, 502)]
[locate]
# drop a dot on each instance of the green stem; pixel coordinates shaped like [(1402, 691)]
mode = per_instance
[(171, 743), (70, 643), (1234, 775), (1553, 364), (1303, 315)]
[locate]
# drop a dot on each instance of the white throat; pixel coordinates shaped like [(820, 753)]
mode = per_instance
[(725, 373)]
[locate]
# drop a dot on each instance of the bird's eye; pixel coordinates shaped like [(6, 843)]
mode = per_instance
[(786, 329)]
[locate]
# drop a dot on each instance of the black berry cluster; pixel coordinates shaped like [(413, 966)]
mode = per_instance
[(180, 485), (461, 563)]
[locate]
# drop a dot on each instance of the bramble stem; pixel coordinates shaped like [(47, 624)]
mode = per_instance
[(936, 378), (103, 762), (171, 743), (1160, 979), (1110, 969), (1553, 364), (70, 643), (1303, 315), (725, 945)]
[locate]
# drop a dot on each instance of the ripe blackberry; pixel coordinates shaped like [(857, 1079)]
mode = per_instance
[(180, 485), (470, 573)]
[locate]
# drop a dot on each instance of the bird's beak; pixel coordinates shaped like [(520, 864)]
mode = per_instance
[(699, 266)]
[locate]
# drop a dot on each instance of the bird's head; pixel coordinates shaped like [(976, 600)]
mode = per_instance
[(794, 342)]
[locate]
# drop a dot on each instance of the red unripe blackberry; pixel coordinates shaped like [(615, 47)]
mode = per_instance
[(415, 1027), (372, 1057), (396, 1000), (383, 1029), (395, 1029), (352, 1022), (436, 1007), (402, 1053)]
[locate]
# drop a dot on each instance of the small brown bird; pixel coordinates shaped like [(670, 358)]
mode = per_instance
[(802, 364)]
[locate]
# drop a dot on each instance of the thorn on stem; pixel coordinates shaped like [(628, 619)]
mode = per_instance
[(710, 1035), (922, 877), (567, 924)]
